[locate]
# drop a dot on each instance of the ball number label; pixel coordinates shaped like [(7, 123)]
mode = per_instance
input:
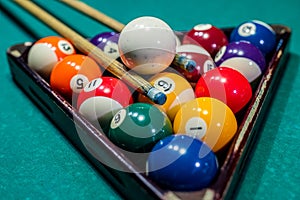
[(165, 84), (208, 65), (112, 49), (202, 27), (247, 29), (92, 85), (78, 82), (196, 127), (118, 119), (220, 54), (65, 47)]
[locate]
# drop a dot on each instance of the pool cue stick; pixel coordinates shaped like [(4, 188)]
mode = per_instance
[(180, 61), (96, 14), (83, 45)]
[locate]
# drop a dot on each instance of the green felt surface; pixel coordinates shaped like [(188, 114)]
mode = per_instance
[(38, 162)]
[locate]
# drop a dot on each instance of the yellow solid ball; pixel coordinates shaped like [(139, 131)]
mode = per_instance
[(207, 119)]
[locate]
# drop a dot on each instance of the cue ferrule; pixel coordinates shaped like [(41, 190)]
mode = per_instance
[(184, 63), (157, 96)]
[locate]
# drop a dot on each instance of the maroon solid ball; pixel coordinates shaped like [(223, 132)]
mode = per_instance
[(208, 36)]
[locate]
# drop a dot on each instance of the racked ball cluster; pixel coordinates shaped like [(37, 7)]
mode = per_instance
[(199, 117)]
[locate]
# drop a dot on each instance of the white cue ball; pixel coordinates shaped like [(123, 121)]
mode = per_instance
[(147, 45)]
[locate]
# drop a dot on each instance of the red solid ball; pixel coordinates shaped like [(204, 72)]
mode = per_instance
[(227, 85)]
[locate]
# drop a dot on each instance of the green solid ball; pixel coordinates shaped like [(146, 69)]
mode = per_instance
[(138, 127)]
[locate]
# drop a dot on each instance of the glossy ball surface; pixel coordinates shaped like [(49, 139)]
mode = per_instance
[(46, 52), (108, 43), (147, 45), (138, 127), (243, 57), (257, 33), (101, 98), (204, 62), (72, 73), (208, 36), (227, 85), (177, 89), (182, 163), (207, 119)]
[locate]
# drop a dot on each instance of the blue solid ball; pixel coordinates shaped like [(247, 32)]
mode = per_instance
[(257, 33), (182, 163)]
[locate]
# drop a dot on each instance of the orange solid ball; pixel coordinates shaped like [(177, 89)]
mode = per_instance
[(70, 75)]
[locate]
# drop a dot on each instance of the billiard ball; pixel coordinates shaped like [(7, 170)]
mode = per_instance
[(72, 73), (108, 43), (176, 88), (138, 127), (226, 84), (46, 52), (243, 57), (101, 98), (208, 36), (182, 163), (147, 45), (204, 62), (257, 33), (207, 119)]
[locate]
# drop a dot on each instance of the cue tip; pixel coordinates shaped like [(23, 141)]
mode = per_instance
[(157, 96)]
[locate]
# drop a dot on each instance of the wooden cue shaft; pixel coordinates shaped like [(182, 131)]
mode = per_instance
[(82, 44), (96, 14)]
